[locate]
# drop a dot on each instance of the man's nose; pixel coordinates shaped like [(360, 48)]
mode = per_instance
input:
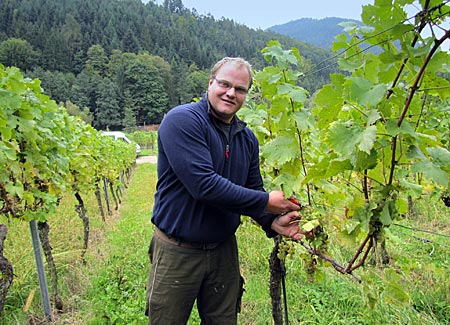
[(231, 92)]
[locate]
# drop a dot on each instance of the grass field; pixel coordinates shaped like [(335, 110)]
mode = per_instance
[(108, 287)]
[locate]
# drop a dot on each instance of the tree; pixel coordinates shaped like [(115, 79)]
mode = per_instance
[(74, 110), (82, 93), (130, 42), (57, 85), (55, 54), (164, 69), (108, 113), (196, 82), (129, 119), (174, 6), (72, 36), (146, 92), (97, 60), (17, 52)]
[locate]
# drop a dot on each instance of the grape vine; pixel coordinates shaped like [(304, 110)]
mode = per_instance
[(45, 154), (377, 134)]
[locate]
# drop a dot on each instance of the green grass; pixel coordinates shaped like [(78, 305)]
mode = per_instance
[(422, 281), (109, 287), (148, 152), (118, 287)]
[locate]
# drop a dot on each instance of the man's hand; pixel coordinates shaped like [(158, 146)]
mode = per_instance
[(287, 225), (277, 204)]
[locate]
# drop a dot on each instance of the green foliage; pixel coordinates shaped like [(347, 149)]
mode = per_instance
[(97, 60), (146, 139), (17, 52), (144, 90), (386, 296), (33, 143), (45, 152), (110, 286), (355, 157), (377, 134), (78, 49), (107, 106)]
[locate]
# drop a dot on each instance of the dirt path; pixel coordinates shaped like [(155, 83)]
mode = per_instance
[(146, 159)]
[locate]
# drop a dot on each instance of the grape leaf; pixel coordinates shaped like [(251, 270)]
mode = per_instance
[(310, 225), (280, 150), (365, 93), (431, 171), (440, 155), (385, 215)]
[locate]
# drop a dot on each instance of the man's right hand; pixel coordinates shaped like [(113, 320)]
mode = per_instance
[(277, 204)]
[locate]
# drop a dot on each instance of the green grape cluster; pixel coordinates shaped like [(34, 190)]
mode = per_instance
[(285, 248), (318, 239), (311, 264)]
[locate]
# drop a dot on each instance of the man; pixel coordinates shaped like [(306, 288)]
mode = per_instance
[(208, 176)]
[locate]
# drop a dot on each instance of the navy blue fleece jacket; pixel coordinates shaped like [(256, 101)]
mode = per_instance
[(205, 183)]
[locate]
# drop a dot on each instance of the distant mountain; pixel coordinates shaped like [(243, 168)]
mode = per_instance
[(319, 32)]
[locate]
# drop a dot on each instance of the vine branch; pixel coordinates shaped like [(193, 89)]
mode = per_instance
[(413, 90), (334, 263)]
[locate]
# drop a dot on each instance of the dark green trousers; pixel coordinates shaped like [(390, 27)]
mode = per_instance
[(181, 274)]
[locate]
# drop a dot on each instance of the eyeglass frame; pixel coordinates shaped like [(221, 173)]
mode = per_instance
[(225, 84)]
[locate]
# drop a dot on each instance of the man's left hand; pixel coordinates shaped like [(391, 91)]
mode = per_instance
[(287, 225)]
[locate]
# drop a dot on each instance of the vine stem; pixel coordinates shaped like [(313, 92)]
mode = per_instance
[(412, 92), (334, 263), (366, 253), (360, 249), (302, 157), (365, 186), (414, 87), (423, 23)]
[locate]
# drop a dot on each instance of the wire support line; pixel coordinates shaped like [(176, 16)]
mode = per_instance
[(424, 240), (339, 54), (427, 113), (422, 230)]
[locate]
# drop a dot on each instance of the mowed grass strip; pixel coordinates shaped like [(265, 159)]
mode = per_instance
[(109, 286)]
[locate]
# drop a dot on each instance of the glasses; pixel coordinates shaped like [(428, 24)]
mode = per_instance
[(227, 85)]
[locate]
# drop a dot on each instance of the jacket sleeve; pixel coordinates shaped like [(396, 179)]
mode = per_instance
[(265, 221), (254, 180)]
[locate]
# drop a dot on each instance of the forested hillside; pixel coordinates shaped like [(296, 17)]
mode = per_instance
[(124, 63), (319, 32)]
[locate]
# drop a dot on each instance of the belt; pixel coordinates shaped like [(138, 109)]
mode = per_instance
[(175, 241)]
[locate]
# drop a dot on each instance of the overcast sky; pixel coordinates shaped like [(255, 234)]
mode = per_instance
[(266, 13)]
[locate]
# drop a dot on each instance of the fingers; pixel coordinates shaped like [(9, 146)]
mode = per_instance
[(293, 206), (289, 226), (291, 216), (278, 204)]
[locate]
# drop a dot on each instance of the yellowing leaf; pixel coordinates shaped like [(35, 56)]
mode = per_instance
[(310, 225)]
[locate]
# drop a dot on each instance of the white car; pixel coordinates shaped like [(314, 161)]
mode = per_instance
[(117, 135)]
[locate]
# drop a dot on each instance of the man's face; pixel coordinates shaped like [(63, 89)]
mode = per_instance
[(227, 90)]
